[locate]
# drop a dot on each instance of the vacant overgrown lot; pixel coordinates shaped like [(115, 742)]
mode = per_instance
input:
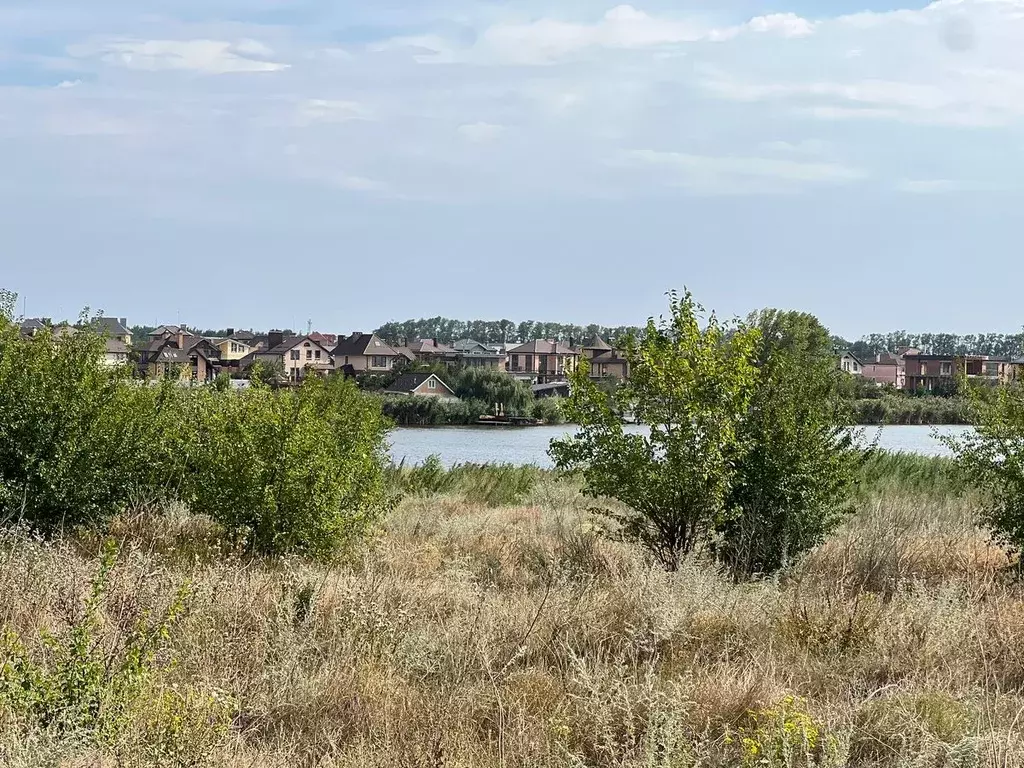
[(481, 628)]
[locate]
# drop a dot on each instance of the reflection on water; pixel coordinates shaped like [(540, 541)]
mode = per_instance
[(498, 445)]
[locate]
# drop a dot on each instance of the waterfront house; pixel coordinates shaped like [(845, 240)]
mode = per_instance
[(431, 351), (297, 356), (605, 361), (939, 373), (473, 354), (850, 364), (421, 385), (365, 353), (542, 361)]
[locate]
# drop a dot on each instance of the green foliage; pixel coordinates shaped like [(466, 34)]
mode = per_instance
[(447, 331), (691, 385), (548, 410), (786, 736), (412, 411), (84, 686), (993, 457), (904, 409), (75, 435), (789, 483), (882, 472), (493, 485), (298, 470)]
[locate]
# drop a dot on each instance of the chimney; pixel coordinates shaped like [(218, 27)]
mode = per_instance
[(181, 337), (123, 321), (274, 338)]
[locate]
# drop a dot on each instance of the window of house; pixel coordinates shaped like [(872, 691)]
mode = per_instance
[(946, 369), (295, 354), (317, 355), (309, 354), (379, 361), (431, 384)]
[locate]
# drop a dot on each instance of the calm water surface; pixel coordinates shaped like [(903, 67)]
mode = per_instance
[(498, 445)]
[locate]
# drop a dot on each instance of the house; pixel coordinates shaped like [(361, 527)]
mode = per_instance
[(113, 328), (430, 351), (938, 373), (298, 356), (605, 361), (887, 368), (542, 361), (365, 353), (473, 354), (554, 389), (115, 353), (31, 326), (850, 364), (421, 385), (182, 355)]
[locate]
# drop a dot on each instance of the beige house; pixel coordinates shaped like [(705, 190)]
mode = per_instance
[(299, 356), (421, 385), (235, 347), (605, 361), (473, 354), (365, 353), (542, 361)]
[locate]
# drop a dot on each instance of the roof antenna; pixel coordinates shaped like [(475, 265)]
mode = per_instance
[(309, 327)]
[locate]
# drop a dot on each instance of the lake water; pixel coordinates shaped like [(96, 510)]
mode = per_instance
[(503, 445)]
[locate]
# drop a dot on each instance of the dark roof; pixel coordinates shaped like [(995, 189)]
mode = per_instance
[(363, 344), (430, 347), (848, 353), (113, 326), (284, 346), (597, 343), (171, 354), (243, 336), (552, 387), (608, 356), (115, 347), (405, 352), (542, 347), (173, 330), (407, 383), (470, 345), (31, 326)]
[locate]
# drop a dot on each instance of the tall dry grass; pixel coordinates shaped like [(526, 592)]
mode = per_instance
[(473, 635)]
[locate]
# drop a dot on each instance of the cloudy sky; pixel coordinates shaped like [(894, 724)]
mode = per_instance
[(265, 162)]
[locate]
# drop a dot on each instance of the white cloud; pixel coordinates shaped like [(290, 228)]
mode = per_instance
[(481, 133), (928, 186), (331, 111), (733, 174), (215, 57)]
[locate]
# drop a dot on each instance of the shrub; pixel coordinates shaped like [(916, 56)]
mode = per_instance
[(494, 485), (548, 410), (286, 471), (75, 437)]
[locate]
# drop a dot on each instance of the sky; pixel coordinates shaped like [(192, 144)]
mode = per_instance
[(262, 163)]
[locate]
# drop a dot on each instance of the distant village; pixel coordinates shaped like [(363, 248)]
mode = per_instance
[(175, 351), (910, 370)]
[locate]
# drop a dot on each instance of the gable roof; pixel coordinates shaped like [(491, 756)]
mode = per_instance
[(114, 326), (408, 383), (597, 343), (172, 330), (364, 344), (290, 343), (115, 347), (430, 347), (542, 347), (470, 345), (852, 356), (242, 336)]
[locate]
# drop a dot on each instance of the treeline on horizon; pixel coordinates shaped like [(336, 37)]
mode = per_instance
[(447, 330)]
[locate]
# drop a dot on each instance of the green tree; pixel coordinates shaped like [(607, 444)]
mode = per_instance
[(75, 440), (690, 384), (993, 456), (799, 459)]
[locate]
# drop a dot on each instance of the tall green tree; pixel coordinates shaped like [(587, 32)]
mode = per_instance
[(792, 477), (691, 384)]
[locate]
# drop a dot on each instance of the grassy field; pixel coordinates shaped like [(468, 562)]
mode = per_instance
[(496, 625)]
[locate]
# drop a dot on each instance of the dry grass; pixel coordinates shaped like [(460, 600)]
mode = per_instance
[(517, 636)]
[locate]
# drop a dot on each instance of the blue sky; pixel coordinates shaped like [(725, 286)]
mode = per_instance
[(263, 162)]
